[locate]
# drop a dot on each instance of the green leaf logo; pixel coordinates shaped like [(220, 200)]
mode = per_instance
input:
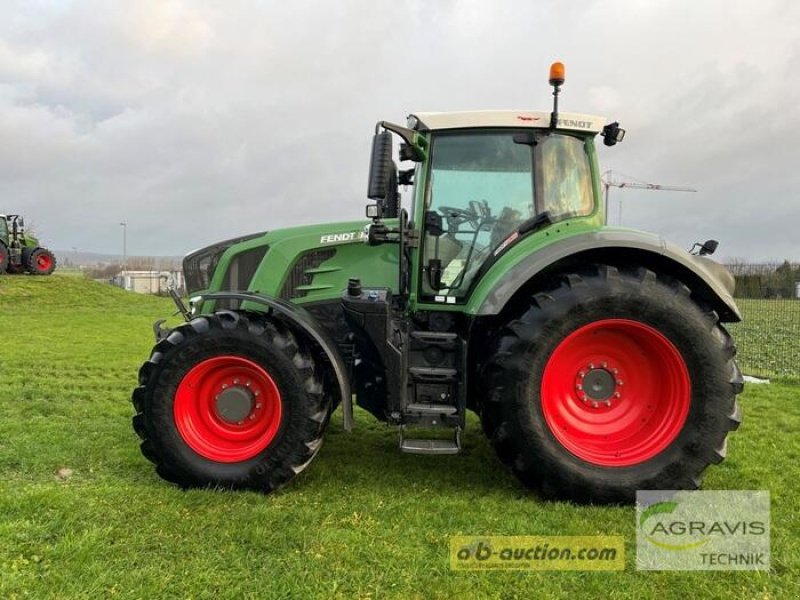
[(660, 508)]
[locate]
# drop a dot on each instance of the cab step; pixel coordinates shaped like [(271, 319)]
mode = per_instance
[(430, 445), (435, 338), (425, 446), (426, 415), (433, 374), (432, 410)]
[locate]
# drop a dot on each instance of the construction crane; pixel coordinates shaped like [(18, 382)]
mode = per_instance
[(609, 181)]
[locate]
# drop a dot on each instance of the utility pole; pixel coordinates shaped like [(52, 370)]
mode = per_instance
[(124, 226), (609, 181)]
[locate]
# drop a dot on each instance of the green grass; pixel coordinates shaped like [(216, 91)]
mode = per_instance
[(364, 521), (769, 337)]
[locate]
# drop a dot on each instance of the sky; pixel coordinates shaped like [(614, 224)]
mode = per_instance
[(198, 121)]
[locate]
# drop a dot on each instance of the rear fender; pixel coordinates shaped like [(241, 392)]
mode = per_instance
[(706, 278)]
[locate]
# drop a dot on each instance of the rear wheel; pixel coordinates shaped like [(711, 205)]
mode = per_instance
[(41, 262), (608, 383), (230, 400)]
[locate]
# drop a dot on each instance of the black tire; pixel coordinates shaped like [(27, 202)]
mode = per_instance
[(3, 258), (515, 412), (40, 262), (304, 408)]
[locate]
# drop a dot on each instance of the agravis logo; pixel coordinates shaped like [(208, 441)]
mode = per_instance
[(703, 530), (661, 528)]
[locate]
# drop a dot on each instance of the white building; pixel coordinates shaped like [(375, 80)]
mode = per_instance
[(149, 282)]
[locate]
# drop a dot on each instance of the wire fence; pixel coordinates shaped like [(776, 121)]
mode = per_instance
[(768, 338)]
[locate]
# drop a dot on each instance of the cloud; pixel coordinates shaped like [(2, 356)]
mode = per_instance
[(198, 121)]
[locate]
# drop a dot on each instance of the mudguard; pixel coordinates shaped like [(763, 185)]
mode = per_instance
[(700, 273), (298, 318)]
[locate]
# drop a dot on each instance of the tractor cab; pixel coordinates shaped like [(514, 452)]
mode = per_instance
[(14, 227), (484, 186), (3, 230), (485, 180)]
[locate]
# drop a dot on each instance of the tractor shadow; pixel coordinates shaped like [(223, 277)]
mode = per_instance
[(370, 456)]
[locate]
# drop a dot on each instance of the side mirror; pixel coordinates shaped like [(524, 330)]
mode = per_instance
[(708, 248), (380, 166)]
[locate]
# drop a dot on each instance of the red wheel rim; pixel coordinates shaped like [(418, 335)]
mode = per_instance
[(615, 392), (227, 409), (43, 262)]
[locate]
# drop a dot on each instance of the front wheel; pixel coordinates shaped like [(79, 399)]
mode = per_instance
[(611, 382), (40, 262), (230, 400)]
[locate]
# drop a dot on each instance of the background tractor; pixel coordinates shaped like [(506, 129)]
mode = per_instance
[(21, 252), (595, 356)]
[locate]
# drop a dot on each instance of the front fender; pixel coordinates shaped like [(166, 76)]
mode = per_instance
[(300, 319), (701, 274)]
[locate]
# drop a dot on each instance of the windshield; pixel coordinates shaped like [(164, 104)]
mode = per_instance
[(484, 185), (3, 229)]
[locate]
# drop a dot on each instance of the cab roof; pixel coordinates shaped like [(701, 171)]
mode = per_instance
[(431, 121)]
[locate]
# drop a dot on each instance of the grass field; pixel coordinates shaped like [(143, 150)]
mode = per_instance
[(769, 337), (83, 515)]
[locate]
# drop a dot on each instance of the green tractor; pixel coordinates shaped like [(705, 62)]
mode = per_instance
[(594, 356), (21, 252)]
